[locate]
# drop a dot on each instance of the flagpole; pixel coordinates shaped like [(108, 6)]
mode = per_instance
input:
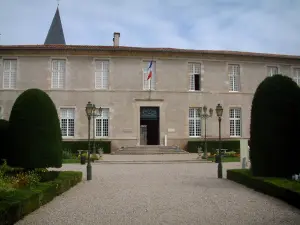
[(150, 80)]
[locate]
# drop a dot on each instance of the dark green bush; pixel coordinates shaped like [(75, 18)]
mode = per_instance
[(212, 145), (274, 130), (35, 129), (284, 189), (22, 201), (4, 136), (74, 146)]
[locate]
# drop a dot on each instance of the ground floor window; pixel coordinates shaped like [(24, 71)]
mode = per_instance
[(102, 123), (235, 122), (67, 122), (194, 122)]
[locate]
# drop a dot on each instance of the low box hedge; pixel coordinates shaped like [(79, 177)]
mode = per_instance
[(212, 145), (74, 146), (284, 189), (17, 204)]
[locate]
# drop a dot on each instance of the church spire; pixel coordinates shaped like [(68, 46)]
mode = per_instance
[(55, 33)]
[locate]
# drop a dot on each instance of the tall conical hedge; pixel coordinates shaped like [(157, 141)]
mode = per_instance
[(274, 130), (35, 129), (4, 139)]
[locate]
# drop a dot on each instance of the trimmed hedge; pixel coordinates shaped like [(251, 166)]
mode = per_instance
[(231, 145), (35, 132), (4, 139), (275, 108), (83, 145), (14, 207), (284, 189)]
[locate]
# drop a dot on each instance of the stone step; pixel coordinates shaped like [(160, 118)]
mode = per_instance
[(147, 153), (150, 150)]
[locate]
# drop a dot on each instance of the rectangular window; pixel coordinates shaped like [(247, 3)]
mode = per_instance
[(234, 77), (102, 123), (194, 122), (101, 74), (9, 73), (67, 122), (296, 75), (149, 84), (194, 70), (235, 122), (58, 73), (1, 112), (272, 70)]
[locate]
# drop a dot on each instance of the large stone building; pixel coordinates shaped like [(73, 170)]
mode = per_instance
[(115, 78)]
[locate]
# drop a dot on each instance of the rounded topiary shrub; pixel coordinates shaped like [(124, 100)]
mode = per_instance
[(274, 129), (4, 136), (35, 131)]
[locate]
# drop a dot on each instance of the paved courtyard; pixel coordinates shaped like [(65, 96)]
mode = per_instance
[(179, 193)]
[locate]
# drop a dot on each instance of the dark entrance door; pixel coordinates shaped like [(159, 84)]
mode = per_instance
[(149, 124)]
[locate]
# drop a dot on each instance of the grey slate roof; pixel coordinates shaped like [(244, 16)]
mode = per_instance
[(55, 33)]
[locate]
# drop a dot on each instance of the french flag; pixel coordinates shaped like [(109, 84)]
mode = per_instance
[(150, 70)]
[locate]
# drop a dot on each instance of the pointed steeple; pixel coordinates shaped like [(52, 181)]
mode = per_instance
[(55, 33)]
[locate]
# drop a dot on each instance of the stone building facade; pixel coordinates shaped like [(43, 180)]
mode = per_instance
[(115, 79)]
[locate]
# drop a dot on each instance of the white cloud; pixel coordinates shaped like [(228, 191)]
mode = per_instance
[(258, 25)]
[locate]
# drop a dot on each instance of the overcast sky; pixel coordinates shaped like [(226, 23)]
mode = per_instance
[(271, 26)]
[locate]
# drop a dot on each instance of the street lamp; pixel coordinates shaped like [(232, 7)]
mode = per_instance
[(219, 112), (89, 111), (205, 116), (96, 112)]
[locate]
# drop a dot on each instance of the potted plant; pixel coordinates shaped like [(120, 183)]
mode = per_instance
[(83, 157)]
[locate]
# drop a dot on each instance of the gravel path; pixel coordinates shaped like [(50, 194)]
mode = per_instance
[(183, 193)]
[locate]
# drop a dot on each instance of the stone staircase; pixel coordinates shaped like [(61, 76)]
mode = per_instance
[(150, 150)]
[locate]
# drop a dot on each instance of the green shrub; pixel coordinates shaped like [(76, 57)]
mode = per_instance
[(212, 145), (35, 128), (16, 205), (284, 189), (4, 139), (274, 129), (74, 146), (67, 154)]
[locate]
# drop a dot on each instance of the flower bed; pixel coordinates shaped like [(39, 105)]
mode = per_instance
[(285, 189), (18, 202)]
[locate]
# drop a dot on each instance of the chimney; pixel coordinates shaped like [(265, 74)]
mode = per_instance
[(116, 39)]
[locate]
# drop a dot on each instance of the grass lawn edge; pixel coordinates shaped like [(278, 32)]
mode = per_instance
[(21, 202), (283, 189)]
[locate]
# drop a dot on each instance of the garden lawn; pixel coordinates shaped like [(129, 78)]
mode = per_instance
[(226, 159), (71, 160)]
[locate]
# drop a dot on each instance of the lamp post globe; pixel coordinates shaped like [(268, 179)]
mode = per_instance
[(89, 109)]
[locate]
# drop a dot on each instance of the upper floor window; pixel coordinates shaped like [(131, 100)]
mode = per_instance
[(101, 74), (9, 73), (67, 122), (58, 73), (194, 70), (101, 128), (235, 122), (194, 122), (149, 75), (234, 77), (272, 70), (296, 75)]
